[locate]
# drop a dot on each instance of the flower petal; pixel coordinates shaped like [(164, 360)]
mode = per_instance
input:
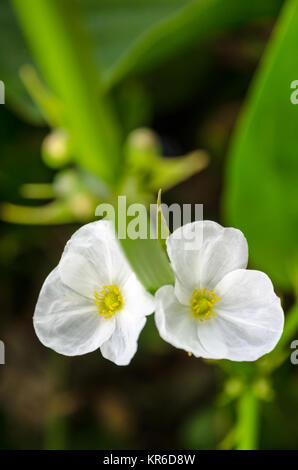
[(67, 322), (93, 258), (80, 275), (249, 318), (175, 323), (137, 301), (213, 252), (183, 292), (122, 345)]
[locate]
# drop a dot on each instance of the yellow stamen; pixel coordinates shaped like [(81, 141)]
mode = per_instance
[(202, 302), (108, 301)]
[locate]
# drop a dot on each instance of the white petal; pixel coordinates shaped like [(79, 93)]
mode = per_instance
[(249, 318), (213, 252), (137, 301), (68, 322), (183, 292), (79, 274), (93, 258), (122, 345), (130, 321), (212, 337), (175, 323)]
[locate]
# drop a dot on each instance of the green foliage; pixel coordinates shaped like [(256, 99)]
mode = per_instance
[(149, 262), (261, 184), (90, 122), (147, 170), (129, 37)]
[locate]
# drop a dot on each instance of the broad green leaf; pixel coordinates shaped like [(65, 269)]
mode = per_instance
[(261, 184), (134, 35), (149, 262)]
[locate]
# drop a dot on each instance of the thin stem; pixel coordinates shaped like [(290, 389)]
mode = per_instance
[(56, 212), (248, 419), (63, 54), (37, 191)]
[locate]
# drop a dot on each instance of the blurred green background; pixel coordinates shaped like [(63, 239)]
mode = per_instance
[(108, 97)]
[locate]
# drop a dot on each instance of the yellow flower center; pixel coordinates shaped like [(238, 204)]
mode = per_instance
[(202, 302), (108, 301)]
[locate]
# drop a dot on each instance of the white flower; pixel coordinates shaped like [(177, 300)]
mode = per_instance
[(92, 299), (217, 309)]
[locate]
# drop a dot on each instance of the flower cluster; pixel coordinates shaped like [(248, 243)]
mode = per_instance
[(217, 308)]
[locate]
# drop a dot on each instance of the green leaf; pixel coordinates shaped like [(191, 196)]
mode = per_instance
[(145, 255), (135, 35), (261, 184), (149, 262)]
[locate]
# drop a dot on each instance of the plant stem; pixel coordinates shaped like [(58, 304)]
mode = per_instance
[(56, 212), (248, 419), (63, 54)]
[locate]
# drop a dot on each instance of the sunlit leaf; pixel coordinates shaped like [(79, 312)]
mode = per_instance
[(261, 184), (145, 255)]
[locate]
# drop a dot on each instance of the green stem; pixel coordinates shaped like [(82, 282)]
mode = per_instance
[(63, 54), (56, 212), (37, 191), (248, 419), (50, 106)]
